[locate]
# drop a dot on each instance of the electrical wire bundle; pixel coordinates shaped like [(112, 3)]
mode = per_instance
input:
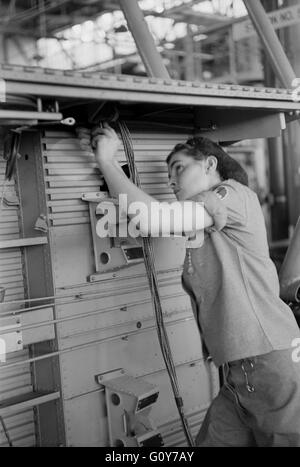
[(153, 284)]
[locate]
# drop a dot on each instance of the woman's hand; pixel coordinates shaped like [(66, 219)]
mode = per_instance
[(84, 136), (105, 143)]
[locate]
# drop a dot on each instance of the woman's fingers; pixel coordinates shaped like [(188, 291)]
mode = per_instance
[(83, 129), (99, 138), (102, 134), (101, 131), (105, 129), (109, 128), (84, 136), (95, 140), (85, 140), (83, 132)]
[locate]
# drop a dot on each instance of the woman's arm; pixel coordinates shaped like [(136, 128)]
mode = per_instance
[(155, 218)]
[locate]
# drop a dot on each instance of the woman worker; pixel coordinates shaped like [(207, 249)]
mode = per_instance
[(234, 291)]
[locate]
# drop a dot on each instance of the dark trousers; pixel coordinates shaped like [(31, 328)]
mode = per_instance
[(259, 404)]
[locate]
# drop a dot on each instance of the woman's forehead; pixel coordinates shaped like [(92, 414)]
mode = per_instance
[(179, 156)]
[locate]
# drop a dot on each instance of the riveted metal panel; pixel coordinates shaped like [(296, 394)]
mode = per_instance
[(38, 268), (34, 326), (17, 381), (136, 314), (110, 324), (163, 413), (120, 87), (73, 247), (136, 351)]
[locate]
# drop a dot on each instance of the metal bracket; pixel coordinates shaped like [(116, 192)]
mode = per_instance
[(242, 126), (12, 339), (129, 401), (111, 253), (41, 223), (116, 273), (103, 377)]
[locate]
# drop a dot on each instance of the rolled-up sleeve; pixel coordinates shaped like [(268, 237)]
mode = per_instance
[(225, 204)]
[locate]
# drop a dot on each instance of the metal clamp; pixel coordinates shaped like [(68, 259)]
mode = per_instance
[(249, 386)]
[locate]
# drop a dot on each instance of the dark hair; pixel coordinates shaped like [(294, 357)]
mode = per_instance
[(200, 148)]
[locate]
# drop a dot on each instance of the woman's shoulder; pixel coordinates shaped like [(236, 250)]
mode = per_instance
[(236, 187), (228, 188), (234, 184)]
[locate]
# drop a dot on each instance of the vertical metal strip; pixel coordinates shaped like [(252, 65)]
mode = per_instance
[(144, 41), (271, 42), (46, 374), (19, 427)]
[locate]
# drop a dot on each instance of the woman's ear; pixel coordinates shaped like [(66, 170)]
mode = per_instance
[(211, 164)]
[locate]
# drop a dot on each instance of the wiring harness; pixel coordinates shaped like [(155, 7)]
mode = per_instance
[(154, 289)]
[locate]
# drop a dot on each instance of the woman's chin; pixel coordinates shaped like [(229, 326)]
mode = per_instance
[(182, 196)]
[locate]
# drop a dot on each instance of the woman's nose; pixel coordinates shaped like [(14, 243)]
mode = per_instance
[(172, 183), (172, 180)]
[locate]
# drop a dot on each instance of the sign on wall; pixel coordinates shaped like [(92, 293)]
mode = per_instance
[(279, 19)]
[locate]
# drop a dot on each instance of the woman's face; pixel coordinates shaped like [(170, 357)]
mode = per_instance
[(187, 176)]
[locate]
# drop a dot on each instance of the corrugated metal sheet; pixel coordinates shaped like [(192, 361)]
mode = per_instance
[(69, 172), (15, 381), (113, 323)]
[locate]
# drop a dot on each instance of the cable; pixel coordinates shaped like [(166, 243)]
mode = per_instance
[(81, 315), (155, 295), (81, 297), (79, 347)]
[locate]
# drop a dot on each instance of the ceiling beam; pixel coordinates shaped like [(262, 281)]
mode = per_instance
[(34, 12), (16, 31)]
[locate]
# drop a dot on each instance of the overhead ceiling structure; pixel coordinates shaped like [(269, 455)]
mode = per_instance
[(92, 35), (44, 18), (187, 14)]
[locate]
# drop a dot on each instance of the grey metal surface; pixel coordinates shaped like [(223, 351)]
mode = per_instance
[(71, 172), (16, 381), (22, 403), (26, 115), (22, 242), (106, 324), (57, 81), (115, 325), (39, 280)]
